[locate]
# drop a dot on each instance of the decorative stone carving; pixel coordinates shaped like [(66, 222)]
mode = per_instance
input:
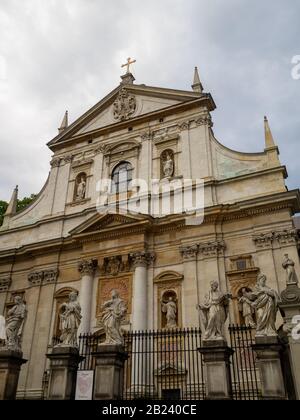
[(5, 284), (246, 309), (70, 319), (87, 266), (67, 159), (114, 312), (214, 313), (263, 240), (265, 302), (170, 309), (287, 236), (205, 120), (189, 252), (55, 162), (124, 106), (113, 266), (103, 148), (142, 258), (50, 276), (147, 136), (167, 164), (212, 249), (15, 320), (106, 285), (184, 125), (38, 278), (2, 331), (289, 266)]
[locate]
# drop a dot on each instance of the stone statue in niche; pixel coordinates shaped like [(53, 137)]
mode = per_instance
[(170, 309), (113, 313), (289, 266), (80, 187), (15, 320), (167, 164), (246, 309), (70, 320), (265, 302), (214, 313)]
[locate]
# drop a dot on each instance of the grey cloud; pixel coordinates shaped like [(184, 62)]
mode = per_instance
[(66, 54)]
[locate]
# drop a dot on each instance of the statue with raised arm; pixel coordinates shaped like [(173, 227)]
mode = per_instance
[(289, 266), (214, 313), (246, 309), (15, 324), (70, 319), (170, 309), (265, 302), (113, 313)]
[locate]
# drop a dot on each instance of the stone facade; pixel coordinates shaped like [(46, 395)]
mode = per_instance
[(60, 243)]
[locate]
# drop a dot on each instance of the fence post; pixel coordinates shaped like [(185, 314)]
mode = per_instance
[(10, 365), (290, 308), (268, 352), (64, 363), (216, 357), (109, 372)]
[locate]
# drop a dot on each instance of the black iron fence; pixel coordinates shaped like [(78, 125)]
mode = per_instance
[(244, 372), (166, 364)]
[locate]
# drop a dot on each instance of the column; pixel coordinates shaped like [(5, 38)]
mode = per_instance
[(87, 270), (290, 308), (190, 284), (141, 261)]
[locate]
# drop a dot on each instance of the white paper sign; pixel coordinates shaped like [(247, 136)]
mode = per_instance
[(84, 385)]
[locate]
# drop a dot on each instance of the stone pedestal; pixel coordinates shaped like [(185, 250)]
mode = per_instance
[(268, 351), (109, 372), (10, 365), (64, 363), (216, 356)]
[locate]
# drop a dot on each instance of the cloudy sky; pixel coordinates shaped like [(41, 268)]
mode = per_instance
[(66, 54)]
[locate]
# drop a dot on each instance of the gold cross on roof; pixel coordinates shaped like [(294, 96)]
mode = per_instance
[(128, 64)]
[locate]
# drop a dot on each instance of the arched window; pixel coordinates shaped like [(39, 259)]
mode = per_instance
[(121, 177)]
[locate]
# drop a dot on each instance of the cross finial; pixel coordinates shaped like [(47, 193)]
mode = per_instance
[(128, 64)]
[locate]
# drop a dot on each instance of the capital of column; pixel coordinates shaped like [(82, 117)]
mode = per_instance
[(142, 258), (87, 267), (189, 252)]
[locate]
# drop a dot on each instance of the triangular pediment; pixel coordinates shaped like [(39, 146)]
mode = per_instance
[(123, 104), (98, 224)]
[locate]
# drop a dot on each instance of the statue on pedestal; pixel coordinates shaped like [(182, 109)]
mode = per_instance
[(289, 266), (70, 320), (265, 302), (15, 324), (170, 309), (214, 312), (114, 312)]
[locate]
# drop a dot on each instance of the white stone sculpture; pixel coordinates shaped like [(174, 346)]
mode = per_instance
[(246, 309), (81, 189), (170, 309), (289, 266), (70, 319), (214, 312), (113, 313), (14, 324), (265, 302), (168, 165)]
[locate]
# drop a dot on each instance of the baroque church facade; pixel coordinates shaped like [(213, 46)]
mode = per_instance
[(63, 243)]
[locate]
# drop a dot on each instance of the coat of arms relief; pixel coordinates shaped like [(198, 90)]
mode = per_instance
[(124, 106)]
